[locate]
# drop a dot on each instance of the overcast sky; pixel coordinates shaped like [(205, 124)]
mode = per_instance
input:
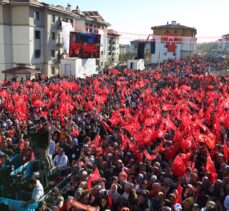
[(133, 19)]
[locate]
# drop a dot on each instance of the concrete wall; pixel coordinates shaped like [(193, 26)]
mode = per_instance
[(21, 44), (20, 15)]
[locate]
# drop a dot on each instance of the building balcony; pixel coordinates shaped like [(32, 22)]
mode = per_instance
[(58, 25), (59, 43)]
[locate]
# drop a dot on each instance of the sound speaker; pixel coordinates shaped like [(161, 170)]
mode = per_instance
[(152, 47), (141, 50)]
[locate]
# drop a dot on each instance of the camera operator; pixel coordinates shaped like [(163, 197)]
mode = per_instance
[(37, 191)]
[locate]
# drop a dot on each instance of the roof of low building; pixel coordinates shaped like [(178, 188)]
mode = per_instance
[(21, 70), (173, 25), (94, 15), (112, 32)]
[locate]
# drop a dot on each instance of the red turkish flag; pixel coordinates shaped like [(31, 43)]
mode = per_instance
[(210, 167), (132, 127), (96, 140), (150, 157), (106, 126), (209, 140), (75, 132), (179, 194), (226, 151), (178, 166), (94, 177)]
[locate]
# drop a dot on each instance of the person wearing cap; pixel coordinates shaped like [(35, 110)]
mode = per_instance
[(177, 207)]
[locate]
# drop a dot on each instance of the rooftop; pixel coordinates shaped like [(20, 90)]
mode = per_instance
[(112, 32), (21, 70), (173, 25), (94, 15)]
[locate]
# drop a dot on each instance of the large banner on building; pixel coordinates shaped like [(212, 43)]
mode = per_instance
[(171, 44), (84, 45), (67, 28)]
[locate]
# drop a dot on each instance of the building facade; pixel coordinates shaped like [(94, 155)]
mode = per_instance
[(32, 34), (173, 41), (113, 47), (134, 45), (223, 44), (124, 49), (93, 22)]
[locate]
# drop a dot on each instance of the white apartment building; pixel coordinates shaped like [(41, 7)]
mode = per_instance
[(31, 34), (113, 47), (173, 41)]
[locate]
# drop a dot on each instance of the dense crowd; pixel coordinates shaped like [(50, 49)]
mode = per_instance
[(134, 140)]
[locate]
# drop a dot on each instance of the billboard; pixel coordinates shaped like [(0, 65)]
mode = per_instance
[(84, 45)]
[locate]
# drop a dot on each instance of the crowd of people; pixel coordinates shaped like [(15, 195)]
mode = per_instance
[(133, 140)]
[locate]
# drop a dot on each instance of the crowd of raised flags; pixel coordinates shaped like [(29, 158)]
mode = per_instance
[(150, 140)]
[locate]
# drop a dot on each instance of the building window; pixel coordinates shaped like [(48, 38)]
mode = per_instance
[(101, 52), (37, 34), (165, 54), (36, 15), (53, 36), (52, 53), (101, 63), (53, 18), (53, 70), (174, 54), (37, 54)]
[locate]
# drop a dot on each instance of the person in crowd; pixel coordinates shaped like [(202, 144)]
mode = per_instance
[(138, 140), (55, 201), (60, 161), (42, 206), (37, 191)]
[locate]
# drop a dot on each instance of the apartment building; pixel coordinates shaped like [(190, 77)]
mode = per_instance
[(173, 41), (93, 22), (223, 44), (124, 49), (113, 47), (32, 34)]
